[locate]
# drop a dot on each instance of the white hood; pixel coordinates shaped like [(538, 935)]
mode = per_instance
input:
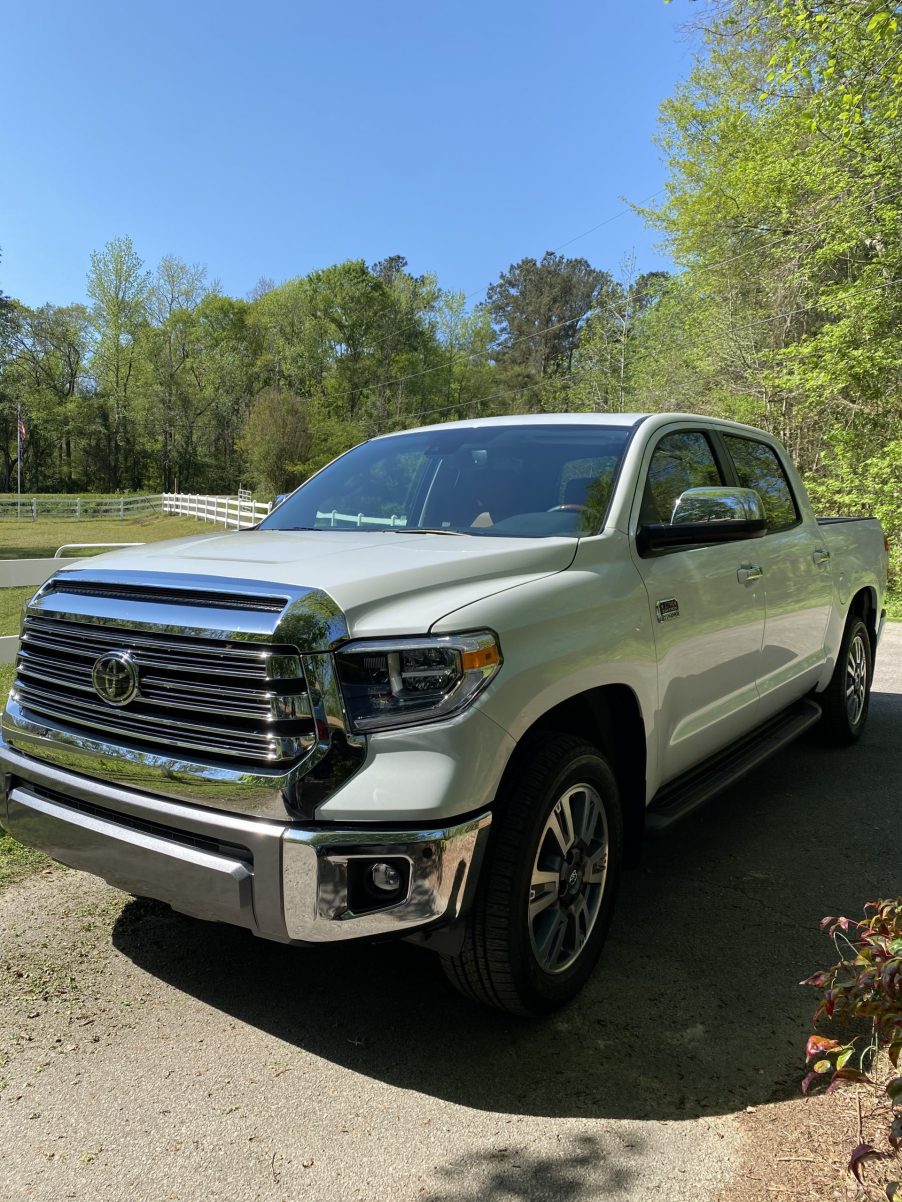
[(385, 582)]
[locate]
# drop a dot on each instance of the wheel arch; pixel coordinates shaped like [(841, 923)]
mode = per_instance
[(864, 605), (610, 717)]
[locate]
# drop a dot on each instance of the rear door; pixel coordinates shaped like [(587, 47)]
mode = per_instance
[(798, 586), (707, 610)]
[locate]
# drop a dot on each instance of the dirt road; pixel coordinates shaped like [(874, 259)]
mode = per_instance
[(147, 1056)]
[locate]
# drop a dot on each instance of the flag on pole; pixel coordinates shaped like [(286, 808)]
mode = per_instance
[(23, 434)]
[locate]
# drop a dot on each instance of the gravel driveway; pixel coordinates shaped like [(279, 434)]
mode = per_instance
[(144, 1055)]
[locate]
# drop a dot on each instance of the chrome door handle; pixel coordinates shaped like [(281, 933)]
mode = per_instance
[(820, 556), (749, 572)]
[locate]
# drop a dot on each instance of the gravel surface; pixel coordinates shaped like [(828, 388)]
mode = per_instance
[(144, 1055)]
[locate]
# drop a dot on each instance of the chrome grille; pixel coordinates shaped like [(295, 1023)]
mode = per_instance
[(244, 700)]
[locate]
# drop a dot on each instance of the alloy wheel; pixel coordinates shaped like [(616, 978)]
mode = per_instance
[(568, 878)]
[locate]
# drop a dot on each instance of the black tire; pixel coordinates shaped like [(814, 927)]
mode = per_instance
[(846, 699), (500, 963)]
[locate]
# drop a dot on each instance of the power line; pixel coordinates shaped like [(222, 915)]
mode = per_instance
[(490, 353), (414, 321), (755, 250), (579, 374)]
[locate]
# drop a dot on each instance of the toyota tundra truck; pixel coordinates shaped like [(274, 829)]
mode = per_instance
[(445, 688)]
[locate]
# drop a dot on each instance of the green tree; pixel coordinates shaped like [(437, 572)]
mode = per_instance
[(276, 440), (120, 289), (612, 340), (783, 205), (168, 342), (51, 346), (537, 310)]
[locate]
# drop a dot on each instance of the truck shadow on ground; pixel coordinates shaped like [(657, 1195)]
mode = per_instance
[(696, 1007)]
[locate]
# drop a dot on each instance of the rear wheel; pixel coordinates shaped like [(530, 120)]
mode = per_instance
[(548, 884), (846, 699)]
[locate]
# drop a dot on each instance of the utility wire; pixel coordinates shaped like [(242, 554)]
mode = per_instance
[(580, 373), (414, 321), (490, 353)]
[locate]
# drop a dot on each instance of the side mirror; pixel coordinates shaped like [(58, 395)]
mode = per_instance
[(280, 498), (704, 516)]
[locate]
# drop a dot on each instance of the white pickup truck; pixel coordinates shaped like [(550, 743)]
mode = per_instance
[(443, 690)]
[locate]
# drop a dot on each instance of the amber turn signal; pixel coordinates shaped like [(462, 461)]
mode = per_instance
[(484, 657)]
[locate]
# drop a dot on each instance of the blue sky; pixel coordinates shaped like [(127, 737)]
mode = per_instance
[(270, 138)]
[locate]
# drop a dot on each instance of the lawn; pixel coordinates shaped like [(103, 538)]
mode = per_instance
[(15, 860), (34, 540), (11, 602)]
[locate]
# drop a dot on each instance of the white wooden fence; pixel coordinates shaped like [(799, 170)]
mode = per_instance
[(77, 509), (232, 512), (237, 512)]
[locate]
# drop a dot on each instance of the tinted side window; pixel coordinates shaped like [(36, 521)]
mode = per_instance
[(758, 467), (680, 461)]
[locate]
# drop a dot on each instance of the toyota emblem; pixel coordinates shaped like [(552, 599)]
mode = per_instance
[(115, 677)]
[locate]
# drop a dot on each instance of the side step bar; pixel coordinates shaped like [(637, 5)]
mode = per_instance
[(682, 796)]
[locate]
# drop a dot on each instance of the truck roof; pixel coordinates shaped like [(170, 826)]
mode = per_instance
[(619, 420), (612, 420)]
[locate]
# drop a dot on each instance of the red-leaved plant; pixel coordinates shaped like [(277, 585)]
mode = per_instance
[(864, 984)]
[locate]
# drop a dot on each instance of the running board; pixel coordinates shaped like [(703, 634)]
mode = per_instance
[(687, 793)]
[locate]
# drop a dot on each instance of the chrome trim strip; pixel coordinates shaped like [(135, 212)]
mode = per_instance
[(42, 633), (146, 728)]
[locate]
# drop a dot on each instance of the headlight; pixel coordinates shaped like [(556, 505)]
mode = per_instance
[(399, 682)]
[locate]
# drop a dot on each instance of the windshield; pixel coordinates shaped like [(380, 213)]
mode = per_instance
[(516, 481)]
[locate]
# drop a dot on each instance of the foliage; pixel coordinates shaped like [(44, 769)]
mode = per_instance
[(865, 985), (784, 210), (277, 440), (167, 383), (536, 309)]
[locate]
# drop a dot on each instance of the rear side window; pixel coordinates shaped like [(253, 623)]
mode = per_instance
[(680, 461), (758, 467)]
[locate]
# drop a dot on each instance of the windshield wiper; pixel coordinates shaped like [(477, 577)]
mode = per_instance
[(420, 530)]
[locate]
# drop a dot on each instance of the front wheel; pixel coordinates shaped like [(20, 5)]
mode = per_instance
[(548, 884), (846, 699)]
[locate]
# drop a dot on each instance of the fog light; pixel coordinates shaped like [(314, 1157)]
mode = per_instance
[(385, 877)]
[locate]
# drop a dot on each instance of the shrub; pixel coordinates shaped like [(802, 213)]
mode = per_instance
[(864, 985)]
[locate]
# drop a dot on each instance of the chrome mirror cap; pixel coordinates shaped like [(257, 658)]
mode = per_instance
[(717, 505)]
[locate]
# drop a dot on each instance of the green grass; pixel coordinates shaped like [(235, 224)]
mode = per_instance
[(894, 607), (11, 602), (40, 539), (16, 860)]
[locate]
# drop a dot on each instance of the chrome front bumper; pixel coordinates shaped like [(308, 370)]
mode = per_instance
[(281, 881)]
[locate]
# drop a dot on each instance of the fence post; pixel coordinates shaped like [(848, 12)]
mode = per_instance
[(121, 508), (34, 509)]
